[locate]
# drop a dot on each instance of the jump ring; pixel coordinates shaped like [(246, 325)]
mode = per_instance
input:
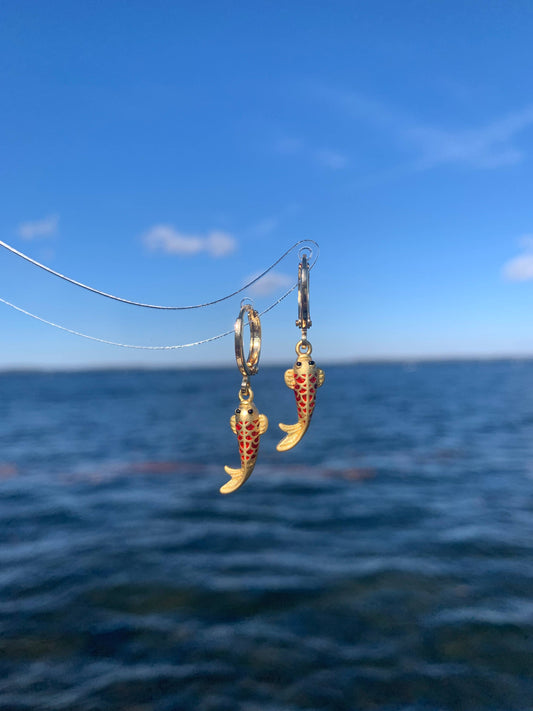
[(303, 347), (246, 396), (250, 365)]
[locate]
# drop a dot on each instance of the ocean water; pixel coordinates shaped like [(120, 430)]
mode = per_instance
[(386, 563)]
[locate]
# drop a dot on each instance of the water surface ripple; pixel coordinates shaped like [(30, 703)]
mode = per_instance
[(384, 564)]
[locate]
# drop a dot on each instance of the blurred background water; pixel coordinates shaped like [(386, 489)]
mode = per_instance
[(383, 564)]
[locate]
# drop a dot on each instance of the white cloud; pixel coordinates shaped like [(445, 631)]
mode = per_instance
[(491, 145), (270, 283), (520, 268), (164, 238), (220, 244), (46, 227)]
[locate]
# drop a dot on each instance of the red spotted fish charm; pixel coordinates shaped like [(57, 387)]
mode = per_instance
[(304, 378), (248, 425)]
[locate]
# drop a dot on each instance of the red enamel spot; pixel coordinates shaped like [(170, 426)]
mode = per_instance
[(313, 379), (249, 427), (300, 380), (238, 425)]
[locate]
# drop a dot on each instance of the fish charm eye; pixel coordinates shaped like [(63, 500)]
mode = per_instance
[(298, 364), (311, 362), (250, 412), (237, 411)]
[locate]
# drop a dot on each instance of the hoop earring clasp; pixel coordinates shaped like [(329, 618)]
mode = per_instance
[(304, 315), (247, 423), (250, 365)]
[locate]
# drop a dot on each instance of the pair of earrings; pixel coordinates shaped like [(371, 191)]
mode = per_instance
[(304, 378)]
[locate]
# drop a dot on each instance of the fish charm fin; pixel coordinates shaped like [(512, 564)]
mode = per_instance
[(293, 436), (289, 378), (233, 424), (320, 378), (263, 424)]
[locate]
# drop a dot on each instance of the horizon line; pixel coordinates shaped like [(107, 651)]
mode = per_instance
[(369, 360)]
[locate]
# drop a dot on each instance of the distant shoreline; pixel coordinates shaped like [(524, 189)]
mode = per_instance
[(401, 361)]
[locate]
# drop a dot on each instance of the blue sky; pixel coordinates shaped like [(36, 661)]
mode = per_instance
[(166, 152)]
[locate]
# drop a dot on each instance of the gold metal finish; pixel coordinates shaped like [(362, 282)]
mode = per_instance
[(304, 378), (248, 425), (250, 365)]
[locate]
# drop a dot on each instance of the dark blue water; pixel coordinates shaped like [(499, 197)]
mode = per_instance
[(386, 563)]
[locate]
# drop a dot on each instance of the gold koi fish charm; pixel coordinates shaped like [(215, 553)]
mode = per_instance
[(304, 378), (248, 425)]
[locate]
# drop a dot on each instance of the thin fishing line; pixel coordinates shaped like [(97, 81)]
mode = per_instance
[(156, 306), (137, 347)]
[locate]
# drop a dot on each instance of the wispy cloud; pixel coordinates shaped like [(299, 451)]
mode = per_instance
[(46, 227), (270, 283), (166, 239), (520, 268), (491, 145), (265, 227), (325, 157)]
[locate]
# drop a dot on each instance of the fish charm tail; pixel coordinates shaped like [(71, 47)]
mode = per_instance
[(293, 436), (304, 378), (238, 477), (248, 425)]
